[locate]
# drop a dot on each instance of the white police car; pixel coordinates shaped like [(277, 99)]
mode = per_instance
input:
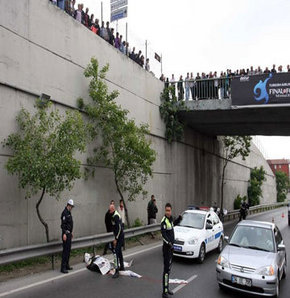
[(199, 232)]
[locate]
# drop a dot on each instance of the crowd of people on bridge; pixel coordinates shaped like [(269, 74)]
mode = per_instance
[(211, 85), (103, 30)]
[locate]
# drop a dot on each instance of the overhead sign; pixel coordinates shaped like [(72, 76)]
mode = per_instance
[(119, 14), (272, 88), (117, 4)]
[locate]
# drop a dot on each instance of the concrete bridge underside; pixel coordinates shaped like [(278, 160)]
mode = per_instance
[(218, 117)]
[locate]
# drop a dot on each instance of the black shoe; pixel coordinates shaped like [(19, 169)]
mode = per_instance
[(116, 274), (164, 295), (104, 253), (69, 268), (122, 269), (170, 293), (63, 271)]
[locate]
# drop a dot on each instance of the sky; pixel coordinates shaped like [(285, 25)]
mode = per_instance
[(209, 35)]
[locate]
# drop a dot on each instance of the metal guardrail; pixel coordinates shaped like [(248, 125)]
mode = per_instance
[(231, 215), (52, 248), (23, 253)]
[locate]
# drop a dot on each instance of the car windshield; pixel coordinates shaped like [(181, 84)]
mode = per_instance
[(192, 220), (253, 238)]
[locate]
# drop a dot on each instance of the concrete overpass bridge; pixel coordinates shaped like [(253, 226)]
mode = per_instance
[(256, 105)]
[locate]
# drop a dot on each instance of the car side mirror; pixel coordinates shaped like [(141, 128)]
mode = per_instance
[(208, 226), (281, 247), (227, 238)]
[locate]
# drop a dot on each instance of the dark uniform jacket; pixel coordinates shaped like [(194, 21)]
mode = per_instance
[(167, 230), (108, 222), (117, 225), (66, 222)]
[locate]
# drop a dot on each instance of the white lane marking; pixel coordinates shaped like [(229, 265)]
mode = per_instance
[(68, 275), (41, 282), (183, 285)]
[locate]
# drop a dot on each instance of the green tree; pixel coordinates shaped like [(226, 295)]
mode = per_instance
[(124, 146), (43, 152), (282, 185), (169, 110), (233, 146), (257, 177), (238, 201)]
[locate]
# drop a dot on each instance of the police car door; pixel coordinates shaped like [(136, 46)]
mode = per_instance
[(209, 238), (217, 229)]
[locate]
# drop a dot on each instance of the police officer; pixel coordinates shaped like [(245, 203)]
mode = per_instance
[(119, 240), (67, 235), (167, 232)]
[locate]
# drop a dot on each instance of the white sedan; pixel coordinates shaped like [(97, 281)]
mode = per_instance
[(199, 232)]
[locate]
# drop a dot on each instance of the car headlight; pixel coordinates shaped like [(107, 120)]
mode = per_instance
[(267, 270), (223, 262), (193, 241)]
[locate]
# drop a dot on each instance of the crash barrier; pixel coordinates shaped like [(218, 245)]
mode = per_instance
[(235, 214), (23, 253)]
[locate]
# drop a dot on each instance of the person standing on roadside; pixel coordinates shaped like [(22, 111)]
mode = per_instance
[(109, 228), (67, 235), (167, 232), (121, 211), (118, 242), (152, 210)]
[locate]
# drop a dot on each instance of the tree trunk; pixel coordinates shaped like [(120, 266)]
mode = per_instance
[(222, 185), (40, 217), (125, 205)]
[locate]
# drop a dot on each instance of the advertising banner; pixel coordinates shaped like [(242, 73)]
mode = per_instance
[(119, 14), (118, 4), (272, 88)]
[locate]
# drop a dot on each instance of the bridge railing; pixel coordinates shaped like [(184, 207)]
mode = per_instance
[(204, 88), (23, 253), (200, 89)]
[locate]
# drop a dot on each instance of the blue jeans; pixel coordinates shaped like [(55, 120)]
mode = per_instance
[(186, 93), (60, 4), (222, 92)]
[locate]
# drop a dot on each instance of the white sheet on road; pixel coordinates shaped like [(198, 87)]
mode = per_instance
[(178, 281), (105, 267)]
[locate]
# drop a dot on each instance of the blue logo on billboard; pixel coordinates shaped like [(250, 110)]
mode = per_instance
[(260, 90)]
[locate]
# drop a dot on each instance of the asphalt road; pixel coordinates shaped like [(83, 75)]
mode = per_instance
[(149, 264)]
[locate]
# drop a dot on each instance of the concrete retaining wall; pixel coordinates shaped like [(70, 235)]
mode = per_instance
[(43, 50)]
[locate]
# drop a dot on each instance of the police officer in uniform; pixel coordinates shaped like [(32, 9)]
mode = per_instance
[(167, 232), (67, 235), (119, 240)]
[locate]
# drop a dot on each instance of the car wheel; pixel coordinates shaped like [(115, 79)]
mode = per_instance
[(220, 245), (277, 288), (285, 270), (201, 255), (221, 287)]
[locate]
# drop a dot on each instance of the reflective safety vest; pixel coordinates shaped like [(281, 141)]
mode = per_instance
[(117, 224), (167, 230)]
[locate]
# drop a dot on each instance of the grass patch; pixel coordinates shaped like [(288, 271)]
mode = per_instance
[(23, 264)]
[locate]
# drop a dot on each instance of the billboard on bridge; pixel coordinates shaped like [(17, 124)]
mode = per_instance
[(272, 88)]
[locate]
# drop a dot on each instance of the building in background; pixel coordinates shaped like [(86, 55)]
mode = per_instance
[(279, 165)]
